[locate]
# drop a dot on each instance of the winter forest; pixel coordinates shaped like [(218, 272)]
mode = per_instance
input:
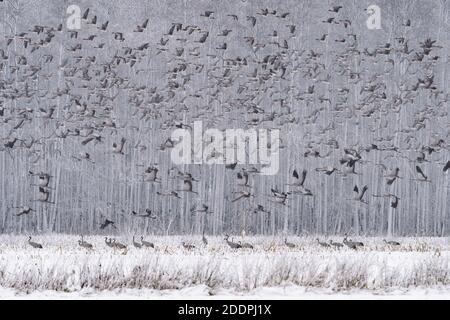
[(87, 114)]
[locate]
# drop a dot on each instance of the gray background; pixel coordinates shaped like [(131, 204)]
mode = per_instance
[(85, 193)]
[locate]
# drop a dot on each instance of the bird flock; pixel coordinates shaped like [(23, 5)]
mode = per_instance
[(86, 118)]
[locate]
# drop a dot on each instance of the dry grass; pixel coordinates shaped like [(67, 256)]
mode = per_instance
[(64, 266)]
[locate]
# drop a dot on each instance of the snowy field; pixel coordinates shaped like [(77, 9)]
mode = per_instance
[(419, 268)]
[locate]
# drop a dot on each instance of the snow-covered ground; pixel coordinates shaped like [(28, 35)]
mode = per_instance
[(201, 292), (419, 268)]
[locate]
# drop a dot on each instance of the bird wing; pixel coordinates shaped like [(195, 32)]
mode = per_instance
[(419, 171), (304, 172), (363, 191), (447, 166), (240, 197), (85, 14)]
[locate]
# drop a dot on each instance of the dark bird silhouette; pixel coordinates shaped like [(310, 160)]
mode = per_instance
[(147, 243), (147, 214), (421, 174), (85, 244), (207, 14), (289, 244), (34, 244), (391, 243), (392, 176), (141, 28), (231, 244), (394, 203), (107, 223), (323, 244), (299, 180), (188, 246), (335, 9), (85, 14), (252, 20), (360, 194), (447, 166), (104, 26), (24, 211)]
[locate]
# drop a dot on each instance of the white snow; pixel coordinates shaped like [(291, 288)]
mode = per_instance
[(420, 268), (202, 293)]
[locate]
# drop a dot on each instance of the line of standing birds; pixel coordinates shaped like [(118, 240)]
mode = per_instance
[(113, 243)]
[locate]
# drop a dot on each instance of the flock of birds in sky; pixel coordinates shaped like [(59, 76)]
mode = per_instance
[(85, 89)]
